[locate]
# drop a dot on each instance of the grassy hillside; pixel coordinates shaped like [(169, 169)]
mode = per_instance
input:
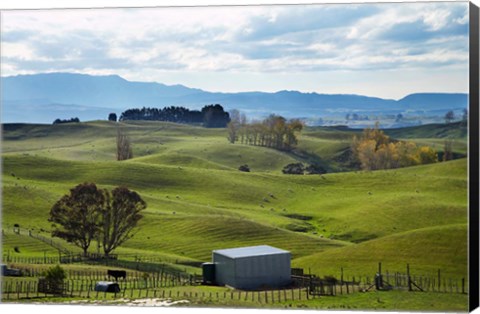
[(198, 201), (456, 130), (449, 254)]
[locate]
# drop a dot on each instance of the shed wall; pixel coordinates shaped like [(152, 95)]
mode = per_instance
[(253, 272), (267, 271), (224, 270)]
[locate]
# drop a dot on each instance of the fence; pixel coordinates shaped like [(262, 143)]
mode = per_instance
[(71, 286), (162, 273), (65, 256), (141, 263), (380, 281), (86, 289), (153, 280), (423, 283)]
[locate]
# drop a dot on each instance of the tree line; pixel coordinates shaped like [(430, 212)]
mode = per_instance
[(89, 213), (71, 120), (374, 150), (211, 116), (275, 131)]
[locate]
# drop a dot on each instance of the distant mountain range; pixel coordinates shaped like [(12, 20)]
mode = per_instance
[(42, 98)]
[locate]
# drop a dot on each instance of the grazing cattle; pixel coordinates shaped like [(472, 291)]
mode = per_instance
[(117, 274)]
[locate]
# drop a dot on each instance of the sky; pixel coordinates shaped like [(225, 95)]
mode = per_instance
[(386, 50)]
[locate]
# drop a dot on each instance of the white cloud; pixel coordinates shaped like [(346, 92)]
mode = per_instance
[(314, 40), (436, 19)]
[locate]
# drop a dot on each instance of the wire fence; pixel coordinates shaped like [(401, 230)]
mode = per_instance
[(136, 290), (144, 263), (153, 272)]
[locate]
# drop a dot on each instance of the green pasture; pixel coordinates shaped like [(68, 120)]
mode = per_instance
[(199, 201), (206, 296)]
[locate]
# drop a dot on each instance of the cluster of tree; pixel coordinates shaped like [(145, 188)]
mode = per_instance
[(60, 121), (212, 116), (450, 116), (374, 150), (274, 131), (89, 214), (299, 168), (356, 117)]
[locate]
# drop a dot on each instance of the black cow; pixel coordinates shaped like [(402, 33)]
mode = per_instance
[(117, 274)]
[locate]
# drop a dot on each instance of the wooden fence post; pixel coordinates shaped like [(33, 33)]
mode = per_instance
[(409, 280), (439, 281)]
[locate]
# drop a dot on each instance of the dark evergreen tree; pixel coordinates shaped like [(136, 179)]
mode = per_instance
[(294, 168), (315, 169), (215, 117), (112, 117)]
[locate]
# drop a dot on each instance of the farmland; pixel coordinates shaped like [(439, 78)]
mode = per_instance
[(199, 201)]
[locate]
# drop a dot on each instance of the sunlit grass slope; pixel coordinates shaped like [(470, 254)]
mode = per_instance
[(426, 251), (199, 201)]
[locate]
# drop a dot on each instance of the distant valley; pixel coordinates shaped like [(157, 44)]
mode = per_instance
[(42, 98)]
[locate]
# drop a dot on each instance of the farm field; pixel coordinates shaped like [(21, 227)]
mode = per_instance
[(346, 220)]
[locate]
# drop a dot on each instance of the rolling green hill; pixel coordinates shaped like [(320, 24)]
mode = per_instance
[(198, 201)]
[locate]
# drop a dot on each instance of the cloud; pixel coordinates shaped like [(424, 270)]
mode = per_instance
[(256, 39)]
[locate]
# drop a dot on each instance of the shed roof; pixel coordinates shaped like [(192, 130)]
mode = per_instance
[(258, 250)]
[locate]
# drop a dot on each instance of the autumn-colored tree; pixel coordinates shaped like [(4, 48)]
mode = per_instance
[(407, 154), (427, 155), (75, 216), (369, 148), (374, 150), (274, 131)]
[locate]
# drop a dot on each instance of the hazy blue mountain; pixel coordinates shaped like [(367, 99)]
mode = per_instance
[(101, 91), (434, 101), (44, 97)]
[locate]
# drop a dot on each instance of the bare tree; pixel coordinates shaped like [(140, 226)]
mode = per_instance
[(449, 116), (124, 149), (448, 150), (233, 126)]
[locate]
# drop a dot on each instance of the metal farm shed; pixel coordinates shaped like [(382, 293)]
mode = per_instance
[(253, 267)]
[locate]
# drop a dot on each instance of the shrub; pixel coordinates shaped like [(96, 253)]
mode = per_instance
[(53, 281), (315, 169), (244, 168), (55, 274), (294, 168)]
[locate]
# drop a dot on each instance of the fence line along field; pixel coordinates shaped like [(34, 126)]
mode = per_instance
[(338, 224)]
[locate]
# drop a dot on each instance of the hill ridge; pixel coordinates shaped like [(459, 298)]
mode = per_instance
[(103, 94)]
